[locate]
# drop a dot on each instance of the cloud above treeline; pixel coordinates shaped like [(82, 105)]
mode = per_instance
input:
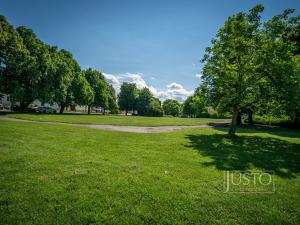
[(171, 91)]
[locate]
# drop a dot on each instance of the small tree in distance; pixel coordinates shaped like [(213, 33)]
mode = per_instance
[(127, 97), (171, 107)]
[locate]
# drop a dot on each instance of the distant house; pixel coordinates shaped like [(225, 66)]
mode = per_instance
[(5, 102)]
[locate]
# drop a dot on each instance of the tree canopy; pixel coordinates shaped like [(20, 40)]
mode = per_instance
[(247, 61), (127, 97), (171, 107), (32, 70)]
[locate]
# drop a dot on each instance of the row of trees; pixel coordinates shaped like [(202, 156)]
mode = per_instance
[(253, 67), (142, 101), (31, 69)]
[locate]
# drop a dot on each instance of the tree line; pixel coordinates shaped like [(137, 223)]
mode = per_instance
[(31, 70)]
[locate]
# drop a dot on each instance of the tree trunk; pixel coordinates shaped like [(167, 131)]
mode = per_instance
[(239, 119), (250, 117), (22, 106), (89, 109), (126, 112), (232, 128), (62, 108)]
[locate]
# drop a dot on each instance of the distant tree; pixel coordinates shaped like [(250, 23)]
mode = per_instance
[(100, 88), (154, 108), (82, 91), (143, 101), (112, 100), (171, 107), (194, 106), (127, 96), (188, 108)]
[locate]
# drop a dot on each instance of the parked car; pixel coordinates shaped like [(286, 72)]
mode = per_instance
[(31, 109), (45, 109)]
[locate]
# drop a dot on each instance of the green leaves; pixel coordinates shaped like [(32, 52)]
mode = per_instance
[(127, 96), (100, 88), (171, 107), (30, 70), (248, 57)]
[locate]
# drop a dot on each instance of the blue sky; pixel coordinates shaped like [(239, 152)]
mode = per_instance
[(159, 43)]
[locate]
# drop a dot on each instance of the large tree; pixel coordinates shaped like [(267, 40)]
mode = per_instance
[(25, 62), (251, 65), (66, 71), (282, 46), (231, 64), (34, 76), (12, 55), (127, 97), (112, 100)]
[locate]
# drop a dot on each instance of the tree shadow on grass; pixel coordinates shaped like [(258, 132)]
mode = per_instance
[(248, 152), (279, 131)]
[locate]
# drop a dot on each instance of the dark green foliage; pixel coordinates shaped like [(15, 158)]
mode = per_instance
[(143, 101), (196, 105), (112, 100), (147, 105), (100, 88), (30, 70), (12, 55), (171, 107), (249, 64), (127, 97), (154, 108), (83, 92)]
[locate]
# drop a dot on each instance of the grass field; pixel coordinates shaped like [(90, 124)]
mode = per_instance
[(57, 174), (115, 120)]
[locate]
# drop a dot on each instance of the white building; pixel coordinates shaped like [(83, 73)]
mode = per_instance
[(5, 102)]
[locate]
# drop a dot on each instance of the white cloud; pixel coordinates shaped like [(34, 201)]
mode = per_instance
[(113, 80), (172, 91), (175, 91), (118, 79)]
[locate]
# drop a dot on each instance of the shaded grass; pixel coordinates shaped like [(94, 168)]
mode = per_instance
[(248, 152), (115, 120), (56, 174)]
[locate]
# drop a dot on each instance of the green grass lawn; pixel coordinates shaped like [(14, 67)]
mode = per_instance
[(57, 174), (115, 120)]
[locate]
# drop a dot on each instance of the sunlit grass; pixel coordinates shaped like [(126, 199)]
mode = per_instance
[(57, 174), (115, 120)]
